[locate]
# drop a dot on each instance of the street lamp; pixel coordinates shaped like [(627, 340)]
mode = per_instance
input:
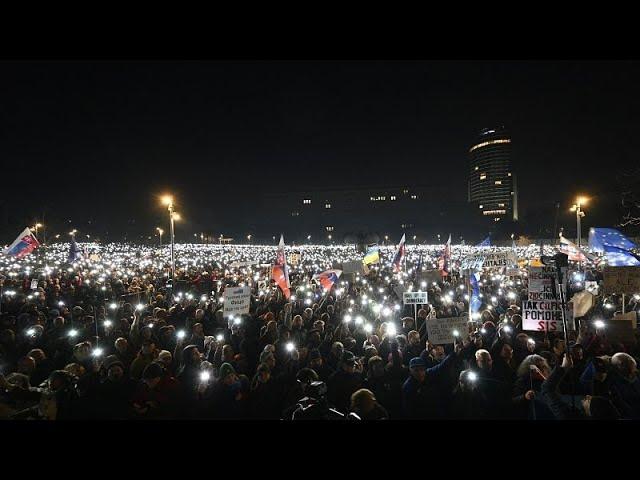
[(160, 232), (329, 236), (414, 239), (249, 238), (577, 207), (386, 239), (168, 201)]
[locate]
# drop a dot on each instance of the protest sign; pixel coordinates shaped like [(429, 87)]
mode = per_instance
[(473, 262), (622, 280), (630, 316), (582, 303), (237, 300), (238, 264), (542, 310), (415, 298), (294, 259), (34, 284), (440, 330), (499, 259)]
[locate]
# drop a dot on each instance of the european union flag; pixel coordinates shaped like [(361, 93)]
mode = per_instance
[(618, 249), (485, 243)]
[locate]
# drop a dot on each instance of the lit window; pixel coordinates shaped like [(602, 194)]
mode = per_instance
[(306, 201), (414, 197), (405, 191), (383, 198), (501, 204), (476, 168), (327, 205), (509, 174), (483, 176), (498, 182), (491, 142), (329, 228), (480, 206), (393, 197), (295, 214)]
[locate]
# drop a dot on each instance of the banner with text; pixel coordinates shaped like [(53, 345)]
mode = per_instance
[(440, 330), (237, 301), (415, 298)]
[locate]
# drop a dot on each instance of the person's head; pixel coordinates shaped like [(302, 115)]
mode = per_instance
[(297, 321), (268, 359), (577, 352), (165, 357), (152, 374), (438, 352), (467, 380), (307, 314), (625, 365), (305, 377), (506, 352), (199, 315), (37, 354), (227, 353), (82, 351), (337, 349), (413, 338), (26, 365), (315, 358), (375, 367), (534, 360), (484, 360), (263, 373), (348, 362), (318, 325), (599, 408), (417, 368), (363, 401), (227, 374), (408, 323), (115, 371), (75, 369), (558, 346), (422, 313), (122, 345)]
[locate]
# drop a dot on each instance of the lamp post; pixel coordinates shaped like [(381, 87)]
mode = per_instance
[(577, 207), (168, 201), (248, 239), (160, 232)]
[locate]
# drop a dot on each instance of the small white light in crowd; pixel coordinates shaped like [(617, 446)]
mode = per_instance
[(290, 347), (391, 330), (466, 297), (73, 333), (60, 303), (461, 287), (636, 297), (396, 307), (203, 298), (140, 306), (489, 307), (494, 299), (423, 284), (368, 328), (347, 318), (219, 337), (113, 306), (531, 341), (31, 332), (181, 334), (507, 329), (473, 376), (377, 308), (598, 324), (107, 323), (97, 352), (237, 321), (511, 295), (359, 320), (483, 331), (307, 301), (476, 316), (293, 298), (608, 305), (456, 333), (205, 376)]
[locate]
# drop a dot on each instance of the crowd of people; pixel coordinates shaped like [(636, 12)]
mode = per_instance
[(112, 336)]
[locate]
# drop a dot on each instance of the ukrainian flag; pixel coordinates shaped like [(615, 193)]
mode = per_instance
[(372, 256)]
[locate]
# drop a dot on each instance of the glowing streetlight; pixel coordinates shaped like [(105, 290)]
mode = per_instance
[(173, 216), (577, 207)]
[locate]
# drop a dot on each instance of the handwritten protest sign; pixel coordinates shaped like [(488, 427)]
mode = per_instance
[(622, 280), (237, 300), (415, 298), (440, 330)]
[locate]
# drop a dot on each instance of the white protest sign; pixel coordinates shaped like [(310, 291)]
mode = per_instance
[(474, 262), (621, 280), (440, 330), (415, 298), (541, 312), (237, 300), (237, 264), (355, 266), (294, 259), (499, 259), (34, 284)]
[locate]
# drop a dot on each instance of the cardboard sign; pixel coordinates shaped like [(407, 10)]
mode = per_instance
[(620, 331), (622, 280), (630, 316), (415, 298), (237, 300), (294, 259), (541, 315), (582, 303), (355, 266), (440, 330)]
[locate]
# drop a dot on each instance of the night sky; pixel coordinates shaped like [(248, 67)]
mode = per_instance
[(97, 141)]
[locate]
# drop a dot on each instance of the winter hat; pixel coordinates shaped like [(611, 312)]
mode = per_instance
[(226, 369)]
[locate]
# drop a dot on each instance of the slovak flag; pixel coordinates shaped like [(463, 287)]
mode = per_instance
[(574, 253), (23, 245), (399, 255), (328, 279), (443, 261), (280, 271)]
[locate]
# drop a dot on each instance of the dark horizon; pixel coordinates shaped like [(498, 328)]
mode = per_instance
[(91, 141)]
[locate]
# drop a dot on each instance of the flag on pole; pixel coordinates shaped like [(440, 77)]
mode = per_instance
[(328, 278), (372, 256), (280, 271), (485, 243), (475, 303), (23, 245), (399, 255), (618, 249), (574, 253), (443, 261)]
